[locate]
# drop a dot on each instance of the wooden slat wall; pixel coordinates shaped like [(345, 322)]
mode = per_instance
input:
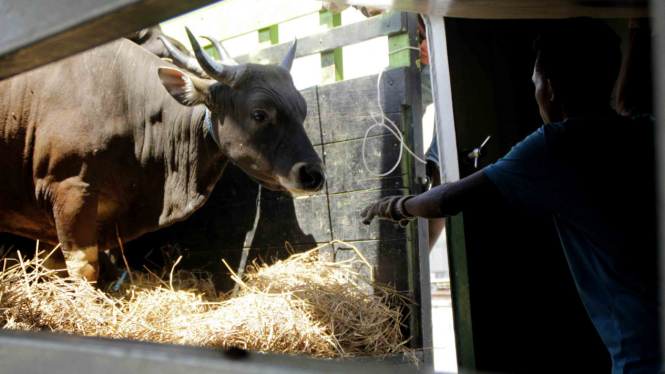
[(222, 20), (338, 116)]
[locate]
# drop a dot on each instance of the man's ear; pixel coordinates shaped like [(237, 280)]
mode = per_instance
[(550, 91), (186, 89)]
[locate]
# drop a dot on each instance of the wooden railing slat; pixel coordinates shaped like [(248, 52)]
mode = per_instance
[(388, 24)]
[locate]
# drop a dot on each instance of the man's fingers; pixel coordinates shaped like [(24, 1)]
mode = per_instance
[(368, 214), (365, 211)]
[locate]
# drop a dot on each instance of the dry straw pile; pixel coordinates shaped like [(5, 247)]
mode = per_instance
[(304, 304)]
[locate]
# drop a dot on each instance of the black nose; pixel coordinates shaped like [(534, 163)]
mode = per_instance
[(312, 177)]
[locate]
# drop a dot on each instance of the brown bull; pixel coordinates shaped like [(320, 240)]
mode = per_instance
[(116, 136)]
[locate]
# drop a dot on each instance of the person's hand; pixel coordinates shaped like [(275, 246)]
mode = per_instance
[(390, 208)]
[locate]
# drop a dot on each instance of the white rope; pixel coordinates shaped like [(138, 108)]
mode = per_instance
[(396, 132), (402, 49)]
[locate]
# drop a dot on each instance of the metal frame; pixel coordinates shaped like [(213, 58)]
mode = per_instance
[(450, 172), (39, 32), (41, 352), (658, 24)]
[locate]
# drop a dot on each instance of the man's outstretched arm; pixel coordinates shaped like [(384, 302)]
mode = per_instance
[(442, 201)]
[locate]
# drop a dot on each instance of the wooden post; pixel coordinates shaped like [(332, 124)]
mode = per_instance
[(407, 53), (332, 62)]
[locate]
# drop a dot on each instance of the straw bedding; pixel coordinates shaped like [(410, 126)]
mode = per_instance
[(304, 304)]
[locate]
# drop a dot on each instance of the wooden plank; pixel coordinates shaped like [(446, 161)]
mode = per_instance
[(525, 9), (341, 127), (312, 122), (346, 171), (338, 37), (298, 221), (39, 32), (345, 218), (358, 97), (233, 18)]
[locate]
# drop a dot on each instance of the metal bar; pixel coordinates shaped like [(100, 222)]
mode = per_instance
[(658, 64), (46, 31), (43, 352), (449, 168), (387, 24), (514, 9)]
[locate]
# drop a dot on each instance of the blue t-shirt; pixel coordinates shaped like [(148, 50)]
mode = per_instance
[(595, 176)]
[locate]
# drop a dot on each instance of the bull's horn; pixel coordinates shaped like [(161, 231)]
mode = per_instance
[(287, 62), (223, 73), (223, 54), (182, 60)]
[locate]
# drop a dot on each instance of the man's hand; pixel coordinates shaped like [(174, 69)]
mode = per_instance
[(390, 208)]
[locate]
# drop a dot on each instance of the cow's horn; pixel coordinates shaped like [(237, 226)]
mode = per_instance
[(182, 60), (223, 73), (287, 62), (223, 54)]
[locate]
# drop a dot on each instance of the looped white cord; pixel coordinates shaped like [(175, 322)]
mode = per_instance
[(396, 132)]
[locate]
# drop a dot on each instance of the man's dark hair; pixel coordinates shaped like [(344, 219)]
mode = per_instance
[(581, 57)]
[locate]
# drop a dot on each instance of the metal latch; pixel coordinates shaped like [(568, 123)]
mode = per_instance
[(477, 153)]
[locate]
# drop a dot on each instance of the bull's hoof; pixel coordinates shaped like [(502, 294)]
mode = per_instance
[(108, 272)]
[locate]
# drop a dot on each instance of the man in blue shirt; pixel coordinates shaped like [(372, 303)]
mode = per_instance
[(593, 170)]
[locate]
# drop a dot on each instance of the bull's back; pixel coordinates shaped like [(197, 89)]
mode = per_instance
[(82, 109), (18, 212)]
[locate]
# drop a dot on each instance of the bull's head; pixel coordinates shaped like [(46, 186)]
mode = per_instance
[(256, 114)]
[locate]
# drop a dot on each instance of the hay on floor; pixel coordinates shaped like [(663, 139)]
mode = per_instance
[(304, 304)]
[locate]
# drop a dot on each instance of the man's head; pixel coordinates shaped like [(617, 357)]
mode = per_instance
[(576, 67)]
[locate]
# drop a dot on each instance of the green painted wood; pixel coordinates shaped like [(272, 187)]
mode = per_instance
[(332, 62), (269, 35), (459, 285), (395, 43), (211, 51)]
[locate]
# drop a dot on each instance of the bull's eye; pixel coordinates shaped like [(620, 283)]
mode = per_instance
[(259, 116)]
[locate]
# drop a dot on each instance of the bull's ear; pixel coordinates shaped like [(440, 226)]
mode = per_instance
[(186, 89)]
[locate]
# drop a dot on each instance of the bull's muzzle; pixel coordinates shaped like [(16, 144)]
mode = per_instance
[(310, 177)]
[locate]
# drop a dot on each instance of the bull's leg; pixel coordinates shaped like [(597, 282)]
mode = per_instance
[(75, 213)]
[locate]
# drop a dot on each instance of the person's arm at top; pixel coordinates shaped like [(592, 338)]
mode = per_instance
[(441, 201), (634, 88)]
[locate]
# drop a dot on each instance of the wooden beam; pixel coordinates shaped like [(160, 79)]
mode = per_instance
[(37, 32), (233, 18), (387, 24), (501, 9)]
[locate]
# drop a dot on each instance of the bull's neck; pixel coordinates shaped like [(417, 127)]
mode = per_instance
[(195, 162)]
